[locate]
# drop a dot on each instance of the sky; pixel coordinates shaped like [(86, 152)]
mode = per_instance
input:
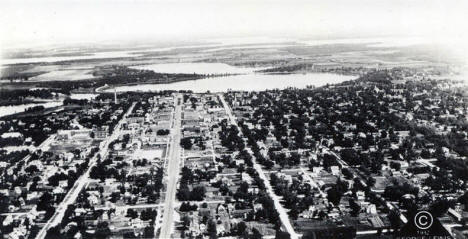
[(39, 22)]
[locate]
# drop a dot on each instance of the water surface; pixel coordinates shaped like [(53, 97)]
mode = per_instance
[(248, 82), (13, 109)]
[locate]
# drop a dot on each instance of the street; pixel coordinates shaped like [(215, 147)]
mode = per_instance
[(279, 208), (173, 168), (71, 196)]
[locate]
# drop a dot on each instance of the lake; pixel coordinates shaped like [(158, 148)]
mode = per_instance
[(13, 109), (247, 82), (199, 68), (83, 96)]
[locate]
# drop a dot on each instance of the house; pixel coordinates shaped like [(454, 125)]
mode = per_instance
[(257, 206), (239, 162), (78, 236), (17, 191), (18, 232), (316, 170), (137, 223), (360, 195), (246, 178), (240, 213), (253, 190), (133, 126), (220, 209), (220, 229), (335, 170), (93, 200), (135, 119), (32, 196), (288, 179), (100, 132), (5, 192), (63, 183), (371, 209), (80, 211), (309, 213), (67, 156), (8, 220), (58, 191), (202, 227)]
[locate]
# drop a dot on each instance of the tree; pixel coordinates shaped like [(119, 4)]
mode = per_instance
[(54, 233), (198, 193), (439, 207), (383, 134), (148, 214), (132, 213), (464, 199), (183, 194), (45, 201), (282, 235), (186, 207), (355, 207), (186, 222), (334, 195), (256, 234), (31, 169), (241, 228), (425, 154), (395, 165), (162, 132), (186, 143), (211, 228), (394, 218), (102, 230), (370, 181), (149, 232)]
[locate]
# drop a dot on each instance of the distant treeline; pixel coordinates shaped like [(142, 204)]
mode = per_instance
[(21, 96), (381, 76), (36, 93), (311, 67), (34, 108), (289, 68), (121, 75)]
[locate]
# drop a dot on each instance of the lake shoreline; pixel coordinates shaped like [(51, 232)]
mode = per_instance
[(250, 82)]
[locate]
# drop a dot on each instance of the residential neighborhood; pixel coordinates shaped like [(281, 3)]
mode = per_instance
[(351, 160)]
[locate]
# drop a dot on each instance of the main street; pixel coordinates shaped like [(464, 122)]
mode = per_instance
[(173, 168), (71, 196), (279, 208)]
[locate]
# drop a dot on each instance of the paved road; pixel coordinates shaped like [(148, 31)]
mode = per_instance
[(428, 163), (125, 207), (279, 208), (71, 196), (173, 169)]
